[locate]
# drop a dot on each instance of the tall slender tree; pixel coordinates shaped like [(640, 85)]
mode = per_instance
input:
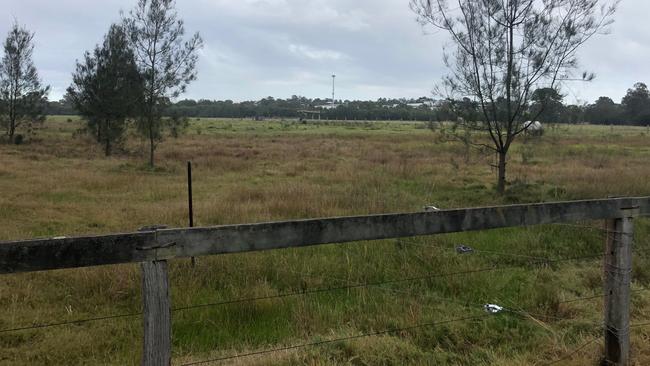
[(23, 98), (505, 49), (166, 61), (107, 88)]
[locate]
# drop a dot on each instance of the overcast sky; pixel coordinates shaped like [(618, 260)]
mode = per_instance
[(259, 48)]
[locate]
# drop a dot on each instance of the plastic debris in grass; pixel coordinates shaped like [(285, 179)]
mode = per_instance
[(464, 249), (492, 308), (431, 208)]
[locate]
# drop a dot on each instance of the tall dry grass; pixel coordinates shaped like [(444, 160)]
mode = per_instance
[(248, 171)]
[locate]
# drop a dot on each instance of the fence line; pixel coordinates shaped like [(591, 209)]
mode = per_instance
[(349, 286), (153, 247), (384, 332), (313, 344)]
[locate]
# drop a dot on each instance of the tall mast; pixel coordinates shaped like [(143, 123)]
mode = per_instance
[(333, 79)]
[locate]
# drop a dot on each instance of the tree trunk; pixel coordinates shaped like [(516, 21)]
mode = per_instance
[(12, 132), (151, 144), (501, 179), (107, 147), (107, 140)]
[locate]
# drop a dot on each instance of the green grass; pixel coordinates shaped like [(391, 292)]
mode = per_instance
[(248, 171)]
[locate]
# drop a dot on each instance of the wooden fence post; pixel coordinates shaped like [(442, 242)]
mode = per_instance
[(618, 272), (156, 313)]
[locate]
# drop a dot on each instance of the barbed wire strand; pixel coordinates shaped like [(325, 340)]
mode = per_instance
[(570, 355), (314, 344), (379, 283), (71, 322), (581, 347), (467, 303), (480, 251), (304, 292), (388, 331)]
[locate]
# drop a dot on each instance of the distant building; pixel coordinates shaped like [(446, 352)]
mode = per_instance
[(328, 106), (430, 104)]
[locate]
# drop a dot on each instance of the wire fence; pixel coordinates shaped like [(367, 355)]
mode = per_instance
[(389, 285), (348, 286)]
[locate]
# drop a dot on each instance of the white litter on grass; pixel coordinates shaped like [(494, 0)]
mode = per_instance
[(464, 249), (492, 308)]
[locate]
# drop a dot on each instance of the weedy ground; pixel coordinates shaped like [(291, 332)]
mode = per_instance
[(245, 171)]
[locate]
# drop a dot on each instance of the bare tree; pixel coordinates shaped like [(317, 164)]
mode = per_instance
[(22, 96), (166, 62), (503, 50)]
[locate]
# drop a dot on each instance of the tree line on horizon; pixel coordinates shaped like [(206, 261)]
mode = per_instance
[(634, 108)]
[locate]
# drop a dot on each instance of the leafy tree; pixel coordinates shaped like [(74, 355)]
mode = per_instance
[(604, 111), (573, 114), (547, 105), (107, 88), (22, 96), (167, 63), (505, 49), (636, 104)]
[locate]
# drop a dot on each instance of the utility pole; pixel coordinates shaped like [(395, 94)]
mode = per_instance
[(333, 79)]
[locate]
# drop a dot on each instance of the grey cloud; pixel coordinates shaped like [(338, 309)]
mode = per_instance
[(257, 48)]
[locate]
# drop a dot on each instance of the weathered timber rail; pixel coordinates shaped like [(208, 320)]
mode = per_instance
[(75, 252), (153, 247)]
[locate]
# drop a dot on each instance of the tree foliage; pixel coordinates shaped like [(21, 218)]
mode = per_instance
[(107, 88), (546, 105), (503, 50), (22, 96), (604, 111), (636, 104), (166, 61)]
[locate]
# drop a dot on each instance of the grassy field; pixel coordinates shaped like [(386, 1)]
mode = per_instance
[(246, 171)]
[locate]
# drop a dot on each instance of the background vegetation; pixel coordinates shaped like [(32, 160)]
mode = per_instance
[(634, 108)]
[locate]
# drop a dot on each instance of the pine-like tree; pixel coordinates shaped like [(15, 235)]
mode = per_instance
[(22, 96), (107, 88), (166, 61), (503, 50)]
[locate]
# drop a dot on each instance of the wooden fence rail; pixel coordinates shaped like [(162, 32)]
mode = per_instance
[(154, 246), (74, 252)]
